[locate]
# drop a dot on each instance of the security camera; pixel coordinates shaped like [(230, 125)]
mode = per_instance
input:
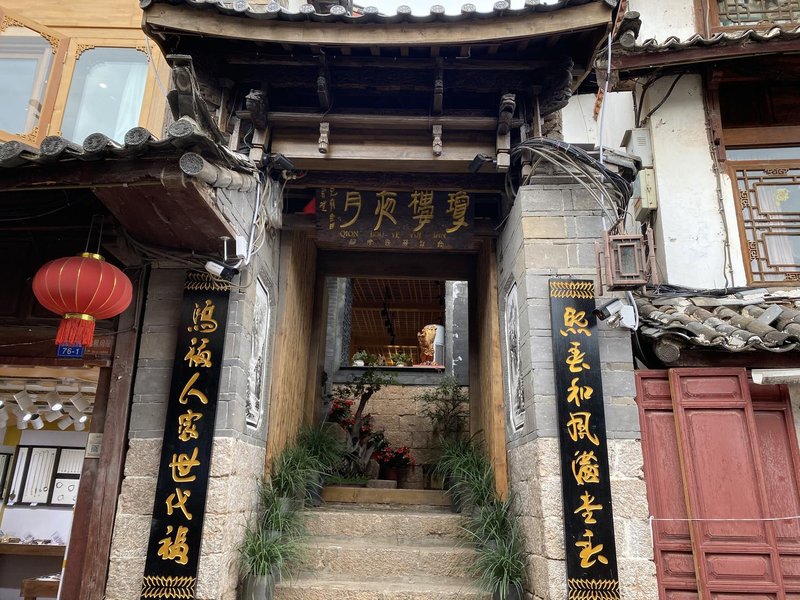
[(609, 309), (220, 270), (616, 314)]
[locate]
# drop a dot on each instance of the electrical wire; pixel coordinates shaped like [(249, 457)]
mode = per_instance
[(662, 101), (608, 189)]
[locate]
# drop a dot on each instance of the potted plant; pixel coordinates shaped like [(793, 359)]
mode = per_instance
[(500, 565), (270, 545), (360, 358), (400, 360), (326, 447), (392, 460), (446, 408), (291, 471), (466, 472)]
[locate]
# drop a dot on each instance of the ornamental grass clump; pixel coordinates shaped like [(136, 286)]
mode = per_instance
[(491, 524)]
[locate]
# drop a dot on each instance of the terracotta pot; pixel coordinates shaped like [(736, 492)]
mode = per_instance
[(388, 472)]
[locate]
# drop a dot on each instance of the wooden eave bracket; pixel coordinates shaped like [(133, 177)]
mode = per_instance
[(508, 104), (324, 132)]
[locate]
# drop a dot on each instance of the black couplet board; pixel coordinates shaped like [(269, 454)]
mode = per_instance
[(177, 526), (591, 554)]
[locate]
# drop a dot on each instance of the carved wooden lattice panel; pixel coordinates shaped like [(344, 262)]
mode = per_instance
[(769, 208), (755, 12)]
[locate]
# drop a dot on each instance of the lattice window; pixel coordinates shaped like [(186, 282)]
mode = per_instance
[(739, 13), (769, 208)]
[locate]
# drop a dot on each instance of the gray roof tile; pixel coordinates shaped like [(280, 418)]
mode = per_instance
[(759, 320)]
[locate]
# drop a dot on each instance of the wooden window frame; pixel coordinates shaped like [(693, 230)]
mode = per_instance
[(59, 43), (80, 45), (708, 17), (748, 137)]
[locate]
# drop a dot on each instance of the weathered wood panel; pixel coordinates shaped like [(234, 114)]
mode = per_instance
[(87, 13), (294, 353), (486, 377)]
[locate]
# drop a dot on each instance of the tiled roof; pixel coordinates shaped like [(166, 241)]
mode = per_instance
[(729, 38), (183, 136), (370, 14), (757, 319)]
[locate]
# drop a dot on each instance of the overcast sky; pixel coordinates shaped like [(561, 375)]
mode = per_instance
[(423, 7)]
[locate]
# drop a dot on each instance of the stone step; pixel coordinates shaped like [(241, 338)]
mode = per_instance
[(400, 523), (365, 558), (309, 586), (362, 495)]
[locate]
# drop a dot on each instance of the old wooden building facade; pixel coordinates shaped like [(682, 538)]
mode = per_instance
[(305, 151)]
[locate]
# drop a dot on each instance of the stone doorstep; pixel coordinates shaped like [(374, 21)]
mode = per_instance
[(309, 586), (364, 559), (408, 524), (360, 495)]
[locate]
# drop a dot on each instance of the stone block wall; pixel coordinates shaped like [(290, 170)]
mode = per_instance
[(551, 232), (238, 450)]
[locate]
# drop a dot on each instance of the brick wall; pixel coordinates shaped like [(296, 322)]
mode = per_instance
[(551, 232)]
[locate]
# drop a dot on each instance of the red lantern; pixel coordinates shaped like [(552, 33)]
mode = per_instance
[(82, 289)]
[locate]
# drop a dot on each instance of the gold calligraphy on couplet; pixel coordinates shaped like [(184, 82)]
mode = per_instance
[(185, 460), (585, 465)]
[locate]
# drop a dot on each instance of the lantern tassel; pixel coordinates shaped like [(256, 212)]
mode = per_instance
[(76, 329)]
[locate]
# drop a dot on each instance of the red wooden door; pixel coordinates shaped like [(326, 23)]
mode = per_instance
[(733, 456), (672, 544), (735, 552), (777, 443)]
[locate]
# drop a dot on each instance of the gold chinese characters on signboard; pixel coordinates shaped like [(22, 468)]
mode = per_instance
[(415, 220)]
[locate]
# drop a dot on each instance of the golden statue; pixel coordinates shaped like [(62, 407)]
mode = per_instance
[(426, 338)]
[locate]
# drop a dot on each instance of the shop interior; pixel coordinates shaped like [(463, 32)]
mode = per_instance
[(45, 415)]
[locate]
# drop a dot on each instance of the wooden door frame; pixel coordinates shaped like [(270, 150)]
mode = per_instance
[(476, 268), (89, 550)]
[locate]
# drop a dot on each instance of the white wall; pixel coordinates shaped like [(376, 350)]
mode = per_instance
[(580, 126), (42, 521), (664, 18), (690, 236)]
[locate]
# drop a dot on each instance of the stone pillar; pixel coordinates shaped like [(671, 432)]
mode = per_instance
[(238, 451), (551, 232)]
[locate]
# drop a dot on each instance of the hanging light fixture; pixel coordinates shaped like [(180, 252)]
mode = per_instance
[(25, 401), (82, 289), (77, 417), (80, 402), (53, 415), (53, 400), (36, 421), (64, 423)]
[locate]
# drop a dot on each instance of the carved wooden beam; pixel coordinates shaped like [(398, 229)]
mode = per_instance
[(438, 88), (323, 85), (437, 140)]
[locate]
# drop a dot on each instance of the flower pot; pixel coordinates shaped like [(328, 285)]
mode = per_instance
[(388, 472), (514, 593), (257, 588)]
